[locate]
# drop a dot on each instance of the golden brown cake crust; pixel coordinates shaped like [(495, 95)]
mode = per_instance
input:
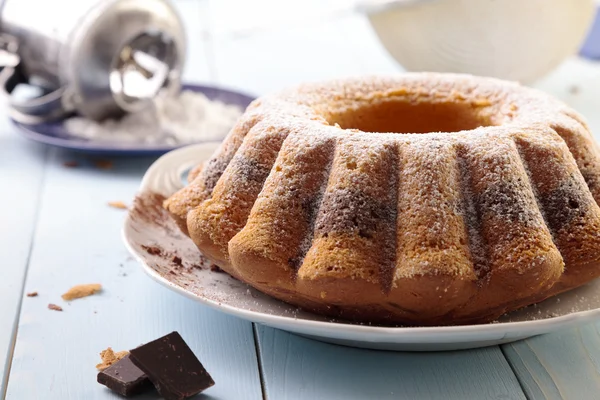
[(418, 199)]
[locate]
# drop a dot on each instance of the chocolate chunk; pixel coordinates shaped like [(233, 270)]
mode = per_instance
[(125, 378), (177, 261), (172, 367), (152, 250)]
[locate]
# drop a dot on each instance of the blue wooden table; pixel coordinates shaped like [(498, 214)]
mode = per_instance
[(56, 231)]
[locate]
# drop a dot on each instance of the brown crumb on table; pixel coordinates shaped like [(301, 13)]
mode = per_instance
[(71, 164), (109, 357), (79, 291), (32, 294), (103, 164), (117, 204), (54, 307), (152, 250)]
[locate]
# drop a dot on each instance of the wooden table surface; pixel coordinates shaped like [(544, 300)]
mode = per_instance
[(52, 240)]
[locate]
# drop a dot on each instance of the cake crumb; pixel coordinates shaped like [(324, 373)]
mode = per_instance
[(32, 294), (117, 204), (215, 268), (71, 164), (54, 307), (152, 250), (103, 164), (109, 357), (177, 261), (79, 291)]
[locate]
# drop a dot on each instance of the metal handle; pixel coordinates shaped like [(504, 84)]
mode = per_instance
[(47, 107)]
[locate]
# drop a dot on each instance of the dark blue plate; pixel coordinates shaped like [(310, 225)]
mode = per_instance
[(55, 134)]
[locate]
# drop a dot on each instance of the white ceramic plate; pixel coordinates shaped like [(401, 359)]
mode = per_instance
[(170, 258)]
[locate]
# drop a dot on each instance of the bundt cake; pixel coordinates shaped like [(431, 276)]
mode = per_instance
[(419, 199)]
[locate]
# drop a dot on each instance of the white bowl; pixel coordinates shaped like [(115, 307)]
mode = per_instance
[(508, 39)]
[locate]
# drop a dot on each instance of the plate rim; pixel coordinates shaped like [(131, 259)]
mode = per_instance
[(419, 334)]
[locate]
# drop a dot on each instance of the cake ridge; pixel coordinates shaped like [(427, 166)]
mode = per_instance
[(563, 201), (524, 159), (517, 243), (346, 204), (387, 274), (202, 186), (431, 232), (314, 209), (540, 205), (285, 200), (476, 241), (216, 221), (586, 154)]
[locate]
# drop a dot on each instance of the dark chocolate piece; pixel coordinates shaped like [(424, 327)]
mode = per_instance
[(172, 367), (125, 378)]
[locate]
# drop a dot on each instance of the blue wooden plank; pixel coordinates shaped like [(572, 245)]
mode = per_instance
[(21, 163), (78, 240), (298, 368), (564, 365)]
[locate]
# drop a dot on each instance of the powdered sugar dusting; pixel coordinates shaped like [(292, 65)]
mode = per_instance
[(189, 117)]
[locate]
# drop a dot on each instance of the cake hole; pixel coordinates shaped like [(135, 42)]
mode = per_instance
[(423, 117)]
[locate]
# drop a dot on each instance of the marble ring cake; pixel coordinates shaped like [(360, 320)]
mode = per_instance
[(420, 199)]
